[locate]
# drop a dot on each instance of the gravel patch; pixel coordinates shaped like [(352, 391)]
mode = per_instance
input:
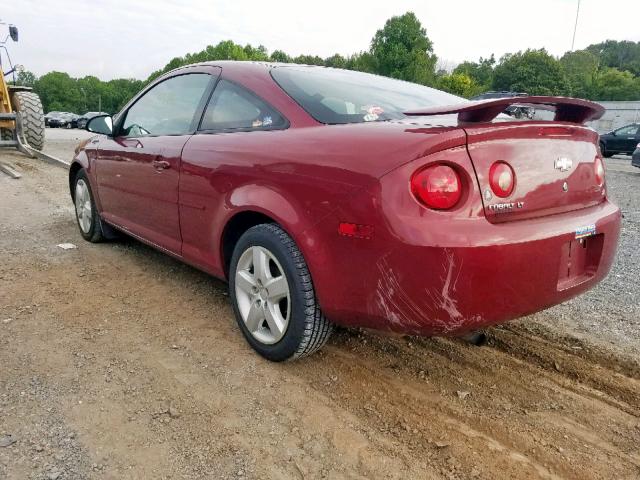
[(610, 313)]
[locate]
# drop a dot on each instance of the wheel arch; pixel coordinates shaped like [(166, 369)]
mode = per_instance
[(234, 228), (73, 172), (251, 205)]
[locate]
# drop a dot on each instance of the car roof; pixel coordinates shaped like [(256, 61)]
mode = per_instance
[(247, 66)]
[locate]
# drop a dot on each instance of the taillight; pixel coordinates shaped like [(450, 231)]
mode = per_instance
[(599, 171), (502, 179), (437, 186)]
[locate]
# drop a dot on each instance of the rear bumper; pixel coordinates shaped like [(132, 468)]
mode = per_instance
[(472, 278)]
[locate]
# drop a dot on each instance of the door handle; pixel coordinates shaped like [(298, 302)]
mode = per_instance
[(161, 165)]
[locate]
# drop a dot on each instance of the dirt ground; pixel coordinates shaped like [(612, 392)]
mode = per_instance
[(118, 362)]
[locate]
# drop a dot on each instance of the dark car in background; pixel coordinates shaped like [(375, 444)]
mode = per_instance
[(622, 140), (517, 111), (59, 120), (49, 116), (73, 120), (83, 119), (635, 158)]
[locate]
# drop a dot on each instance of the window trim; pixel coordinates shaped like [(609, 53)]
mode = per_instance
[(202, 103), (211, 131)]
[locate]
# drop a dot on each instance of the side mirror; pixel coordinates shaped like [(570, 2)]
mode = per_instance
[(102, 124), (13, 32)]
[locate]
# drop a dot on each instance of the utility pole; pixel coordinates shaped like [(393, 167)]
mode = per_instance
[(85, 98), (575, 27), (99, 102)]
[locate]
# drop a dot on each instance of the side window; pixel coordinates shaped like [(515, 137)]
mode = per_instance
[(628, 130), (168, 108), (232, 107)]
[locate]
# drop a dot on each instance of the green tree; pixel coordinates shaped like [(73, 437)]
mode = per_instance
[(26, 78), (458, 83), (480, 72), (280, 56), (534, 72), (402, 50), (623, 55), (336, 61), (309, 60), (612, 84), (362, 62), (58, 91), (581, 68)]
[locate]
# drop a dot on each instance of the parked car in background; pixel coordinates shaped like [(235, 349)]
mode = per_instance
[(517, 111), (328, 196), (82, 120), (635, 157), (50, 115), (60, 120), (73, 120), (621, 140)]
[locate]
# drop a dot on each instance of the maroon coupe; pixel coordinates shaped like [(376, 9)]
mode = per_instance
[(328, 196)]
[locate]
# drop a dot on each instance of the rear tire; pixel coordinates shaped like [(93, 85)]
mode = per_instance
[(30, 108), (291, 305)]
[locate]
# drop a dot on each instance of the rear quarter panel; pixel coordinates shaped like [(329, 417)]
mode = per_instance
[(299, 177)]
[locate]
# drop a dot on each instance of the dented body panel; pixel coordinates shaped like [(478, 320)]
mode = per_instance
[(446, 273)]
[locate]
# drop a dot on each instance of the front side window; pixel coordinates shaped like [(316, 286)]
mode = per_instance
[(233, 107), (168, 108), (343, 96)]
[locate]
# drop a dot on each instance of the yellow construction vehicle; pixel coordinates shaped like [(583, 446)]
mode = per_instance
[(21, 115)]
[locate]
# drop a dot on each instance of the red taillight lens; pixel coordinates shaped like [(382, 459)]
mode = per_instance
[(599, 171), (437, 186), (502, 179)]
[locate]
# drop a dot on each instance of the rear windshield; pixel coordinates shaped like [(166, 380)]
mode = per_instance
[(342, 96)]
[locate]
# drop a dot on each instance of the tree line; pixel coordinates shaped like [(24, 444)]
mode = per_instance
[(608, 70)]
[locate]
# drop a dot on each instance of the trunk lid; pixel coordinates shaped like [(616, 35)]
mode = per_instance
[(554, 166)]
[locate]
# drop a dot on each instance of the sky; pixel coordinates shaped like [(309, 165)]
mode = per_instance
[(117, 38)]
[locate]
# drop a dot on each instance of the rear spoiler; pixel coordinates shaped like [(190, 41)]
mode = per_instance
[(567, 109)]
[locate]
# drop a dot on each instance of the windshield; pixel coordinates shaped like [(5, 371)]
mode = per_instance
[(342, 96)]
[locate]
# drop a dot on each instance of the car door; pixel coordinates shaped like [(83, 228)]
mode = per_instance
[(232, 129), (625, 139), (138, 169)]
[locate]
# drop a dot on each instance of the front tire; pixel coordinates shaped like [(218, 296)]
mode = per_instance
[(89, 221), (605, 152), (273, 297)]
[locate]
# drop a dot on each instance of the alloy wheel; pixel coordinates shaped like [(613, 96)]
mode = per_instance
[(262, 294), (83, 206)]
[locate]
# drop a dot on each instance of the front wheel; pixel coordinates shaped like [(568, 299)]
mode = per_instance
[(89, 221), (273, 297), (605, 152)]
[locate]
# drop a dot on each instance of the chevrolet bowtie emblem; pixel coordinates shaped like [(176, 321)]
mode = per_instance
[(563, 164)]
